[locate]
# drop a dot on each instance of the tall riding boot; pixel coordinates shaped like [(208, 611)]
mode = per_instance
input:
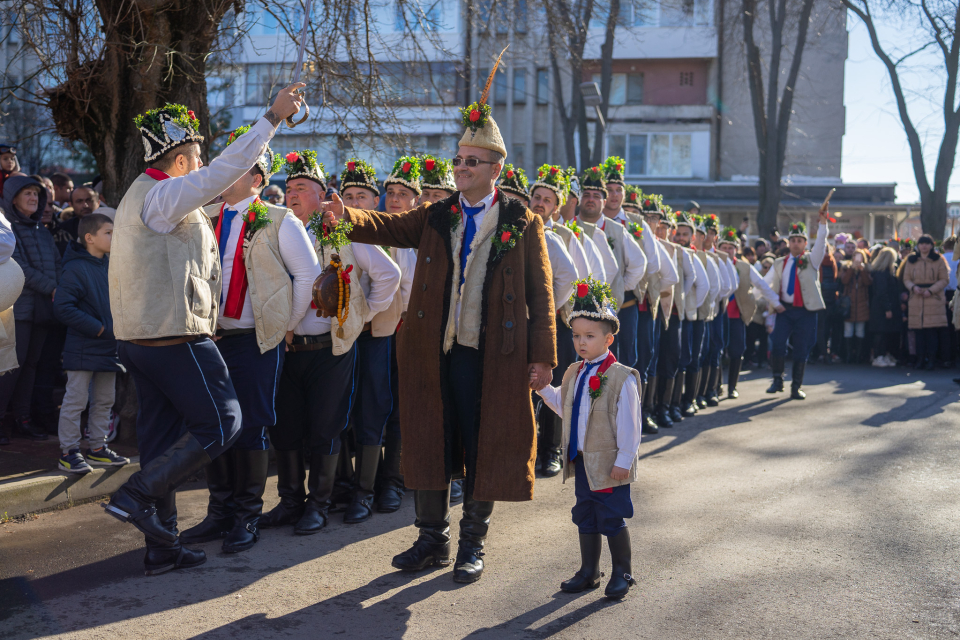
[(250, 479), (852, 349), (691, 384), (664, 394), (473, 533), (733, 378), (702, 384), (323, 470), (714, 376), (291, 473), (588, 577), (361, 507), (777, 364), (550, 432), (621, 576), (676, 413), (221, 506), (433, 544), (162, 556), (346, 473), (647, 408), (135, 502), (796, 393), (391, 479)]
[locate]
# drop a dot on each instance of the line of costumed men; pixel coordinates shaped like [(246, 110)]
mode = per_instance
[(448, 309)]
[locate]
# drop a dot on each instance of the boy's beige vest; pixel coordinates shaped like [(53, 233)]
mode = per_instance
[(162, 285), (566, 235), (358, 308), (600, 444), (675, 297), (268, 282), (809, 283), (708, 310), (616, 235), (744, 293)]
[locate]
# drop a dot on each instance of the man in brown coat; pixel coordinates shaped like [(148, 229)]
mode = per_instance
[(479, 334)]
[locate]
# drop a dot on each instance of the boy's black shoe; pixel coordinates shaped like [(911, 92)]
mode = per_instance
[(621, 578), (588, 577)]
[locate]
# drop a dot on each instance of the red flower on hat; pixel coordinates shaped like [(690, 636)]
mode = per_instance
[(596, 169), (633, 196), (232, 136), (192, 117), (594, 383), (583, 289), (474, 115), (292, 157), (619, 167), (351, 166), (406, 167), (540, 174), (553, 171), (429, 164), (505, 237), (510, 174)]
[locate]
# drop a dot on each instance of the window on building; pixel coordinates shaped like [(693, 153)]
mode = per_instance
[(519, 86), (657, 13), (686, 78), (634, 88), (520, 18), (426, 16), (419, 83), (625, 88), (676, 13), (267, 25), (517, 156), (543, 86), (653, 154), (262, 82), (541, 153), (500, 86)]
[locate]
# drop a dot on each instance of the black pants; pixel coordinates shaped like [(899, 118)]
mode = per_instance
[(16, 387), (463, 378), (756, 350), (885, 342), (668, 359), (927, 341), (374, 403), (314, 398)]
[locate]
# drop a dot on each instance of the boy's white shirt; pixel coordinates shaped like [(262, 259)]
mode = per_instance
[(628, 413)]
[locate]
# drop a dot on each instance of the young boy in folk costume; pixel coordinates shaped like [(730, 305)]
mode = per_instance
[(436, 179), (547, 195), (317, 388), (600, 404), (513, 181), (268, 267), (742, 304), (405, 187), (796, 279)]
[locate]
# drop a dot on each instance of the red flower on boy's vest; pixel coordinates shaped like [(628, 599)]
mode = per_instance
[(292, 157), (594, 383), (505, 237), (583, 290), (429, 164)]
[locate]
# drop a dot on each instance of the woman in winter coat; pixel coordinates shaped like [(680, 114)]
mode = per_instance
[(926, 276), (886, 319), (856, 285), (24, 200)]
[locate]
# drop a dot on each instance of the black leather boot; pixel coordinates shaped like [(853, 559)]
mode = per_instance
[(676, 413), (552, 463), (391, 490), (588, 577), (734, 378), (714, 376), (689, 400), (323, 471), (796, 393), (220, 507), (250, 478), (702, 383), (649, 424), (291, 473), (473, 532), (621, 576), (345, 478), (160, 556), (550, 434), (664, 394), (135, 502), (361, 506), (432, 547), (777, 364)]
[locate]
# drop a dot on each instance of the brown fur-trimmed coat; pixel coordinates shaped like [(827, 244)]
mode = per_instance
[(518, 327)]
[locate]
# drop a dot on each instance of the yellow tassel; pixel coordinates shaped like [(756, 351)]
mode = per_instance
[(340, 332)]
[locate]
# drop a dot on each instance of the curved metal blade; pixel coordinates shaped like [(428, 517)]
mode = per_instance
[(303, 40)]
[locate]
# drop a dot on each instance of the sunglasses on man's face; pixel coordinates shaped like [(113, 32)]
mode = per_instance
[(470, 162)]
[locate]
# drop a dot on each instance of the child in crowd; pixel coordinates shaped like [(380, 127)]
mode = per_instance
[(82, 302), (599, 401), (8, 162)]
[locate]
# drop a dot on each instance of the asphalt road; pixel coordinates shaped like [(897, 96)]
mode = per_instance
[(836, 517)]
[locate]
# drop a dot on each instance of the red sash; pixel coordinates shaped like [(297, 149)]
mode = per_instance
[(233, 307), (797, 291)]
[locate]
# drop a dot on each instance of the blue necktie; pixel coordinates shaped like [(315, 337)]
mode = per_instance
[(793, 276), (575, 426), (469, 231), (228, 215)]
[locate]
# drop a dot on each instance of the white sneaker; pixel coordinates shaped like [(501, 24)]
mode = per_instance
[(889, 360), (879, 362)]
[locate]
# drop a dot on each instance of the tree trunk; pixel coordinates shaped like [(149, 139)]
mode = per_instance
[(606, 79), (154, 53)]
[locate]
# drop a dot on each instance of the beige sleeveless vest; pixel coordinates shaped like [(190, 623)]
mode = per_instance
[(809, 283), (268, 282), (600, 444), (358, 308), (744, 293), (566, 235), (675, 298), (162, 285), (708, 309)]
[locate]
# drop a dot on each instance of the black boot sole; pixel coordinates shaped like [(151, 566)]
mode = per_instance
[(291, 518), (584, 585), (240, 548), (161, 569), (433, 562), (466, 578)]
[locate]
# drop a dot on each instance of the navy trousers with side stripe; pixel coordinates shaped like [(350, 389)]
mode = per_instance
[(255, 377)]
